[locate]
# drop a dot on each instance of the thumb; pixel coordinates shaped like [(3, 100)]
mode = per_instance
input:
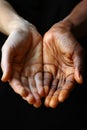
[(6, 62), (78, 76), (79, 65)]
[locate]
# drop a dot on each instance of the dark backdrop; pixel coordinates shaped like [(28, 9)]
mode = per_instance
[(69, 115)]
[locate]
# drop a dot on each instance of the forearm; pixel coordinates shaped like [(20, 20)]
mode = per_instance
[(78, 14), (77, 19), (9, 19)]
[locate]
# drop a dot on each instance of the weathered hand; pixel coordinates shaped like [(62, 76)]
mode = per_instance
[(63, 61), (22, 64)]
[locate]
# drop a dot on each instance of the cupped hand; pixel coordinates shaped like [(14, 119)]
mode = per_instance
[(63, 64), (21, 64)]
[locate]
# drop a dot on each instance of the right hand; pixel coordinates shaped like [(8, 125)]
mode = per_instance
[(21, 63)]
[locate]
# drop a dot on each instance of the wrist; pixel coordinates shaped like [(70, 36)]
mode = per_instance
[(19, 24), (66, 24)]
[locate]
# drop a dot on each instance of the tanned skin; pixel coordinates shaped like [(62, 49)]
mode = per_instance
[(25, 55), (63, 56)]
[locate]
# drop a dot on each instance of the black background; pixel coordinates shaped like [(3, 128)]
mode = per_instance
[(68, 115)]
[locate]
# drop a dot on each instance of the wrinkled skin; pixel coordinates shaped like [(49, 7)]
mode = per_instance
[(63, 62), (22, 64), (62, 58)]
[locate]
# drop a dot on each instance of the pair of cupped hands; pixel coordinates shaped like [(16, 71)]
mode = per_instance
[(47, 67)]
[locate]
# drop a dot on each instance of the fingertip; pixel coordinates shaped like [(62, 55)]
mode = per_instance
[(23, 92), (31, 99), (78, 77), (6, 74), (64, 94), (37, 104), (5, 77), (41, 92), (46, 90), (47, 100), (54, 102)]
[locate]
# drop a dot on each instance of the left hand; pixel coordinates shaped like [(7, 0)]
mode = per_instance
[(63, 63)]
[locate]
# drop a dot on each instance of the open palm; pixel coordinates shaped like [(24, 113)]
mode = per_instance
[(63, 59), (22, 64)]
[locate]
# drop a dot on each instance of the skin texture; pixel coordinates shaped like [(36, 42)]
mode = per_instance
[(23, 55), (63, 58), (22, 65)]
